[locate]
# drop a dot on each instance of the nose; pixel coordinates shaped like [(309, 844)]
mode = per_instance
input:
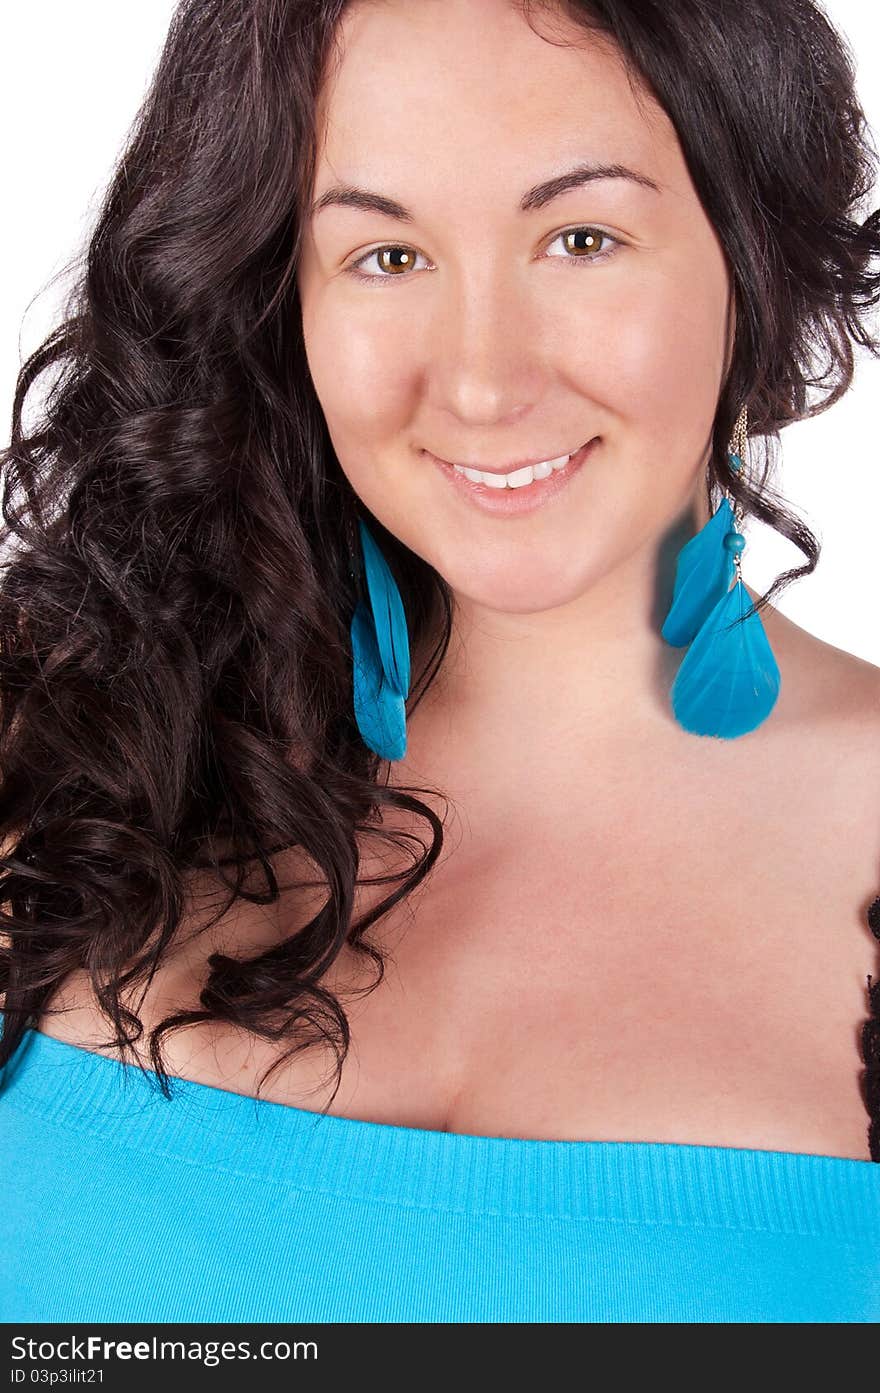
[(485, 362)]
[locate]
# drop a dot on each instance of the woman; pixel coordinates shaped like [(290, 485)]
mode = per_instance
[(260, 635)]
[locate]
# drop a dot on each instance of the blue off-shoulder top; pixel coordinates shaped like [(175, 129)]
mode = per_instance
[(123, 1205)]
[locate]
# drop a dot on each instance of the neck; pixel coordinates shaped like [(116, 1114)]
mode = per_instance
[(545, 691)]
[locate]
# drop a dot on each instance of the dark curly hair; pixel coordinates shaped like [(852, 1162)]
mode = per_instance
[(175, 664)]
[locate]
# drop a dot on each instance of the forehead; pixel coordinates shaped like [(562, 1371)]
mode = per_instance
[(458, 95)]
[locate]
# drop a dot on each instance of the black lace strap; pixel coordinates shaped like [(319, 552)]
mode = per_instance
[(871, 1045)]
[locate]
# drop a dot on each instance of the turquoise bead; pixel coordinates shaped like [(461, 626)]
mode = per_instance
[(734, 541), (735, 462)]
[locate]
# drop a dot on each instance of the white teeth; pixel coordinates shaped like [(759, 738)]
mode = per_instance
[(518, 478)]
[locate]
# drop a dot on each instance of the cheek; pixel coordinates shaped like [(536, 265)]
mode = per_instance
[(359, 373), (655, 359)]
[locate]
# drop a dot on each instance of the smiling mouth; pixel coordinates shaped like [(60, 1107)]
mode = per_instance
[(518, 475), (496, 494)]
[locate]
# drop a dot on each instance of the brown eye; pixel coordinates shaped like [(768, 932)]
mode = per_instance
[(581, 245), (583, 239), (395, 258), (394, 263)]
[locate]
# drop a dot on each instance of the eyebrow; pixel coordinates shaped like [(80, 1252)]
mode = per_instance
[(348, 196)]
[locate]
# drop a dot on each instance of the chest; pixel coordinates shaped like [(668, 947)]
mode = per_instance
[(687, 968), (696, 979)]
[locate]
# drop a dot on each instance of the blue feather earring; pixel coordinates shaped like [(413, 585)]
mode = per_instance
[(728, 680), (380, 651)]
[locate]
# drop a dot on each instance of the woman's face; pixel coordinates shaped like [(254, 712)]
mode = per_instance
[(483, 334)]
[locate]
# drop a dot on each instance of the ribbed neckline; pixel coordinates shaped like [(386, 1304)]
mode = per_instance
[(636, 1182)]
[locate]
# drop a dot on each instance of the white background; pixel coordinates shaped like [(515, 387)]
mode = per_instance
[(72, 75)]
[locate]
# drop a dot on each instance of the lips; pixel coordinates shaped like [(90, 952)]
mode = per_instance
[(506, 468), (509, 502)]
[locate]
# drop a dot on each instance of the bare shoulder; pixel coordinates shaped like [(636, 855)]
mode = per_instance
[(826, 744), (824, 687), (211, 1051)]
